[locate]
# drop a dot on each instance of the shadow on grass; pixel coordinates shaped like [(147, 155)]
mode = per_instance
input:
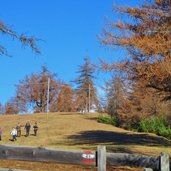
[(69, 113), (92, 118), (115, 138)]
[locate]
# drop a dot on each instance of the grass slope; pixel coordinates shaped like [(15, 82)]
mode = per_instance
[(81, 131)]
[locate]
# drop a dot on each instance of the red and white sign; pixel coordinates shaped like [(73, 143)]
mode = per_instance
[(88, 157)]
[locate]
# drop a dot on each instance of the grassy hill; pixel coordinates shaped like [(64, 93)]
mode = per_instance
[(81, 131)]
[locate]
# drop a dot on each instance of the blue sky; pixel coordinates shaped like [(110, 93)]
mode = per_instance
[(69, 30)]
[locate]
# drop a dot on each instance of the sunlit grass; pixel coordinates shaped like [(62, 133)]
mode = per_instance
[(58, 130), (79, 131)]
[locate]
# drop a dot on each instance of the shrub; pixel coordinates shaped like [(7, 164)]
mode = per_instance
[(108, 120), (165, 132), (157, 125)]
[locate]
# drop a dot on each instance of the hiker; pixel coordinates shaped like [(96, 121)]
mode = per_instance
[(18, 128), (35, 127), (27, 127), (0, 134), (14, 134)]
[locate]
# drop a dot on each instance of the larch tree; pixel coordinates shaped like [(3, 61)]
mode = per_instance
[(33, 90), (86, 91), (116, 93), (1, 109), (25, 40), (64, 102), (11, 107), (145, 36)]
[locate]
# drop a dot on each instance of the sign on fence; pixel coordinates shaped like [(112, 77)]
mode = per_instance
[(88, 157)]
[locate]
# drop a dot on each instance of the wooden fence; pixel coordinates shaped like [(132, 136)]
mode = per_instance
[(99, 158)]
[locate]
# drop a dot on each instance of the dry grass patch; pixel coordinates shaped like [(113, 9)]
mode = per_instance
[(81, 131)]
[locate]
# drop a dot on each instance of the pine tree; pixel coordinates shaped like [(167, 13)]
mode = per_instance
[(86, 91)]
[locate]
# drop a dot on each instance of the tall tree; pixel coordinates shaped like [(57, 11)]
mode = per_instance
[(25, 40), (33, 90), (116, 92), (145, 36), (65, 100), (86, 91)]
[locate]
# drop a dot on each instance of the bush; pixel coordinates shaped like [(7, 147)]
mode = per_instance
[(165, 132), (108, 120), (157, 125)]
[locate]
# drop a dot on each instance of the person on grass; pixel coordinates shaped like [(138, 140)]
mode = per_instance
[(27, 128), (18, 128), (35, 127), (0, 134), (14, 134)]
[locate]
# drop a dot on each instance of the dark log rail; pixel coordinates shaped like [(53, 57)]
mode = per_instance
[(43, 154), (121, 159), (87, 157)]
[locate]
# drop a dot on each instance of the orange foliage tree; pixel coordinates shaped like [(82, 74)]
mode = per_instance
[(11, 107), (1, 109), (33, 90), (115, 92), (145, 37), (65, 101)]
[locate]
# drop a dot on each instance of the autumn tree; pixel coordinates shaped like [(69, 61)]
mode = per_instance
[(116, 92), (145, 37), (65, 101), (1, 108), (25, 40), (86, 91), (11, 107), (33, 90)]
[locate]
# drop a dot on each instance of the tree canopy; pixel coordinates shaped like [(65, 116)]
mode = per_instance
[(145, 36), (33, 90)]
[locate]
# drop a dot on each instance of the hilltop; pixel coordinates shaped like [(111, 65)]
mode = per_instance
[(81, 131)]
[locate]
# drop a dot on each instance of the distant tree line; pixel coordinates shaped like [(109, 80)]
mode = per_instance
[(32, 93)]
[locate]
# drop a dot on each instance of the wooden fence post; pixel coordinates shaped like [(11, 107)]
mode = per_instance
[(148, 169), (101, 158), (164, 162), (5, 169)]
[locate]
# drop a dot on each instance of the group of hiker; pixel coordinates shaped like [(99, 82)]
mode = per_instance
[(16, 131)]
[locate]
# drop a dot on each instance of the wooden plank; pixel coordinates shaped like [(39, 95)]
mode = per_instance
[(43, 154), (148, 169), (101, 158), (164, 162), (122, 159), (5, 169)]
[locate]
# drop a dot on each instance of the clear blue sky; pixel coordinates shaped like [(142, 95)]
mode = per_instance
[(69, 30)]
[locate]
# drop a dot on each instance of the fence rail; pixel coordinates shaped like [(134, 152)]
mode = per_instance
[(99, 158), (3, 169)]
